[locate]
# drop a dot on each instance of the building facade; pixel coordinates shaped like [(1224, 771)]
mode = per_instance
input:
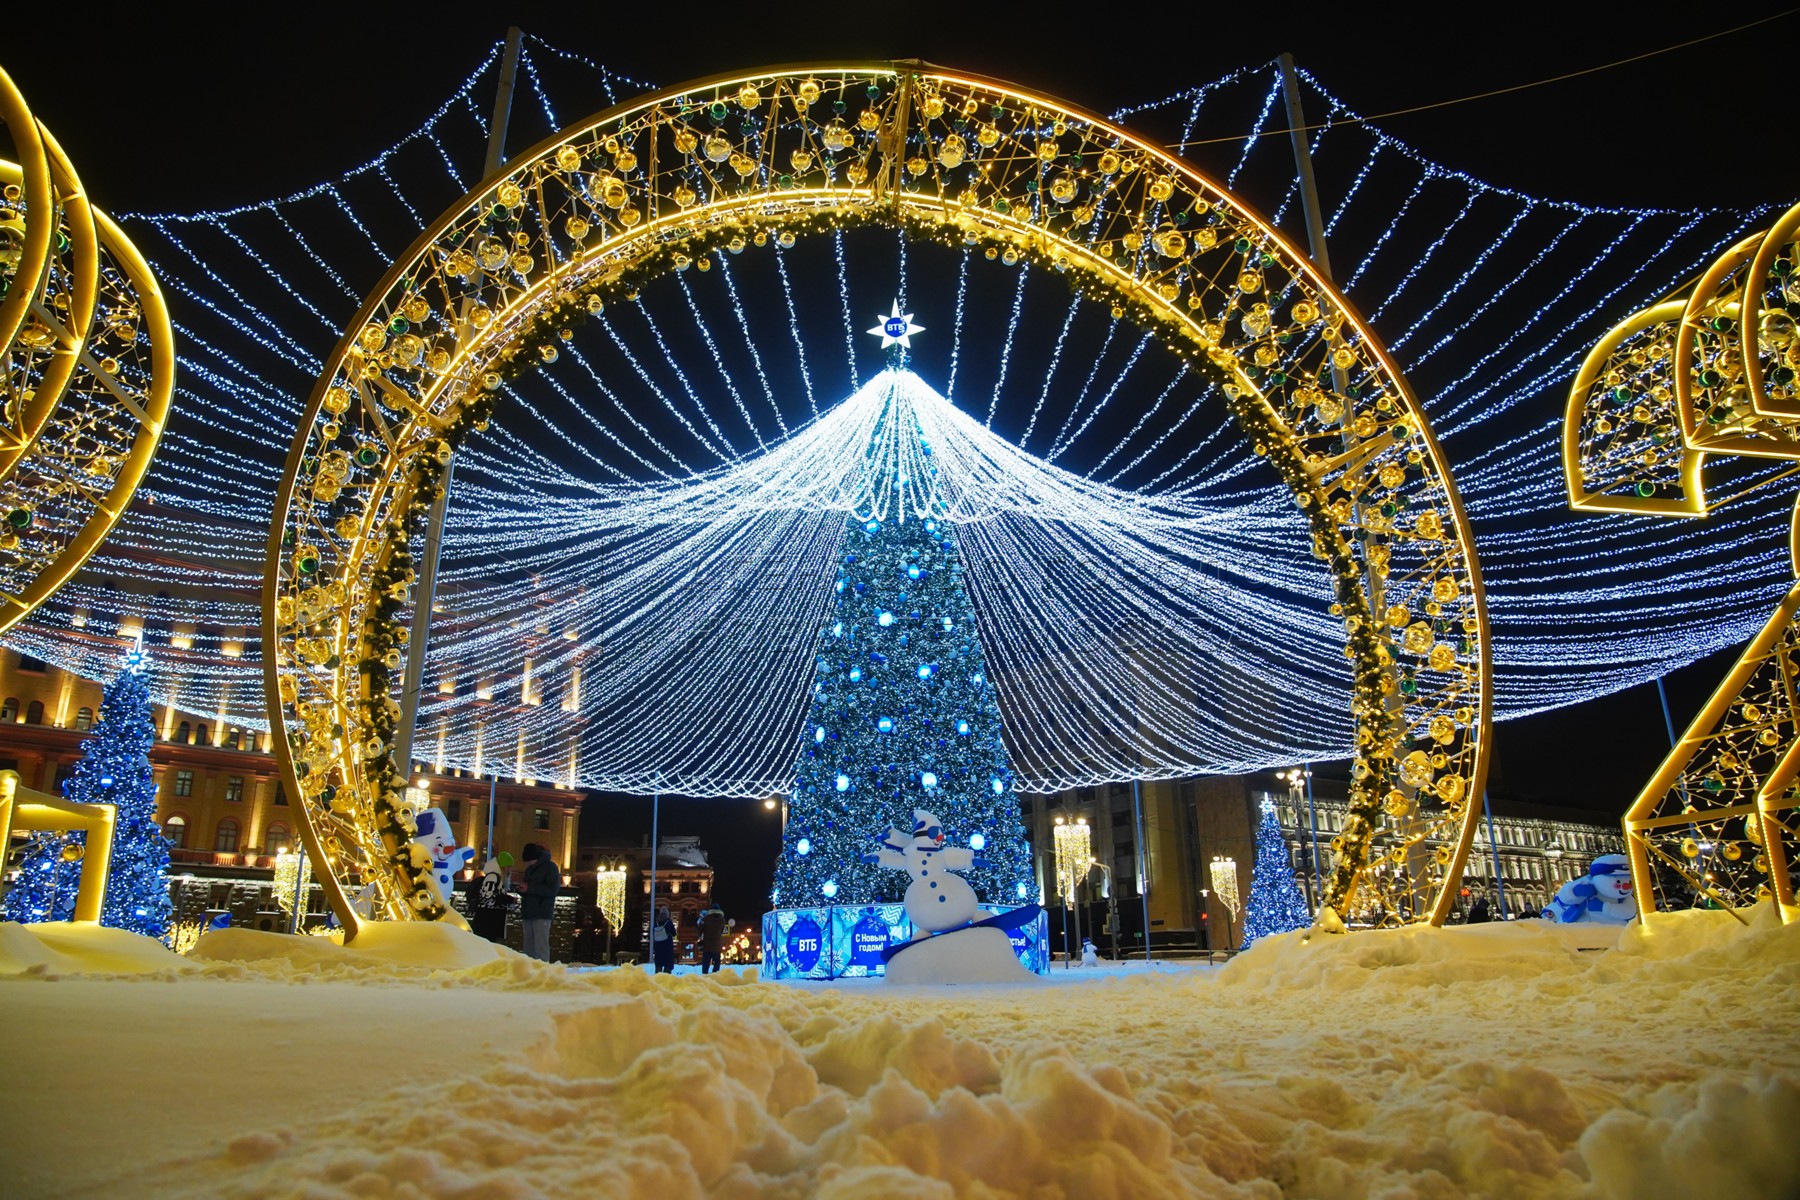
[(1188, 823), (220, 799)]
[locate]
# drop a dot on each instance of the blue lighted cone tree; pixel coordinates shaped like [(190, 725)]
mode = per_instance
[(114, 769), (1275, 904), (903, 716)]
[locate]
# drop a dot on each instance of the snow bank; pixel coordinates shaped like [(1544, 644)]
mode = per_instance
[(1502, 1061), (80, 948)]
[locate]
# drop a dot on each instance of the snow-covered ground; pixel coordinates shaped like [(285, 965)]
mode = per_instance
[(1493, 1060)]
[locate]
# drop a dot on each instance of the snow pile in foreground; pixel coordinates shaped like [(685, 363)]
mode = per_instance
[(1409, 1063)]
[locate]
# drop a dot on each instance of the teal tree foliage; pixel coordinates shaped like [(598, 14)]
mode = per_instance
[(114, 769), (1275, 904), (903, 716)]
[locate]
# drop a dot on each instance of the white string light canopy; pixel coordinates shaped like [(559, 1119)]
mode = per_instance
[(1449, 263), (690, 177)]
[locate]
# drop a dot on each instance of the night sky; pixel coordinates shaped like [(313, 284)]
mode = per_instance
[(165, 113)]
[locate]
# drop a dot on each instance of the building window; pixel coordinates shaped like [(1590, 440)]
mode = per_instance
[(175, 830), (277, 838), (84, 719), (62, 777), (540, 818), (9, 709), (184, 732), (184, 783), (234, 788), (34, 713), (453, 809), (280, 795), (226, 841), (235, 739), (201, 736), (28, 663)]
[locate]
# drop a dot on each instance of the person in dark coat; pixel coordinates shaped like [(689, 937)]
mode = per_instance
[(543, 880), (662, 941), (1478, 912), (712, 938), (490, 902)]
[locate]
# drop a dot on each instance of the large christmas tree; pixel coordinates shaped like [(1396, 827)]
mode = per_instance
[(1275, 905), (903, 717), (114, 769)]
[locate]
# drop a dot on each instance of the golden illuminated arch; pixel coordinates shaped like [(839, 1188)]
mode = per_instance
[(586, 217), (87, 368), (1713, 370)]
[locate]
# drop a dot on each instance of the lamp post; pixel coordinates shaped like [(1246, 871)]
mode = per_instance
[(1299, 780), (1074, 851)]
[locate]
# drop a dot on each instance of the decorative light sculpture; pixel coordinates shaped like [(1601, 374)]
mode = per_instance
[(1224, 874), (1712, 372), (609, 896), (1074, 853), (87, 365), (655, 186), (292, 881)]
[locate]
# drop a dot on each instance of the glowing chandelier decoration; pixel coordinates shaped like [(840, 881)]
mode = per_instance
[(1712, 373), (584, 221), (292, 880), (1074, 849), (609, 896), (88, 361), (1224, 874)]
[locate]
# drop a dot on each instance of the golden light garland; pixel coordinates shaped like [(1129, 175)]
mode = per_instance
[(292, 881), (87, 367), (1074, 853), (588, 216), (1712, 371), (1224, 875), (609, 896)]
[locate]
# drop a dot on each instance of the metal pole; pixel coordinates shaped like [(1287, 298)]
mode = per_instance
[(301, 893), (1312, 815), (655, 831), (425, 589), (1494, 847), (1076, 889), (1668, 721), (493, 782), (1309, 188), (1143, 872)]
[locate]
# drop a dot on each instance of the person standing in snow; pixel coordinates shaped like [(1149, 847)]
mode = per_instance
[(1478, 912), (662, 941), (543, 879), (712, 938)]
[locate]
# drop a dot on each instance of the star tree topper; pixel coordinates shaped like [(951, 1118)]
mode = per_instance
[(896, 329)]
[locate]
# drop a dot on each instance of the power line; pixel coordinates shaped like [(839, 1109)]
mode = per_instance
[(1517, 87)]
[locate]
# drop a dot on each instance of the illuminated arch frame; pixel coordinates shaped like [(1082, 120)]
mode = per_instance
[(89, 358), (587, 216)]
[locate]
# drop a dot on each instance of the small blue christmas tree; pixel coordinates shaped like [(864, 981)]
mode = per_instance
[(114, 769), (1275, 905)]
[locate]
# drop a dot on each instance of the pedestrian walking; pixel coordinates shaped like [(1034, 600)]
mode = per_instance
[(712, 938)]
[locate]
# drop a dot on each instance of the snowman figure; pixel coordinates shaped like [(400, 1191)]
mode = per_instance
[(435, 853), (1602, 896), (936, 900)]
